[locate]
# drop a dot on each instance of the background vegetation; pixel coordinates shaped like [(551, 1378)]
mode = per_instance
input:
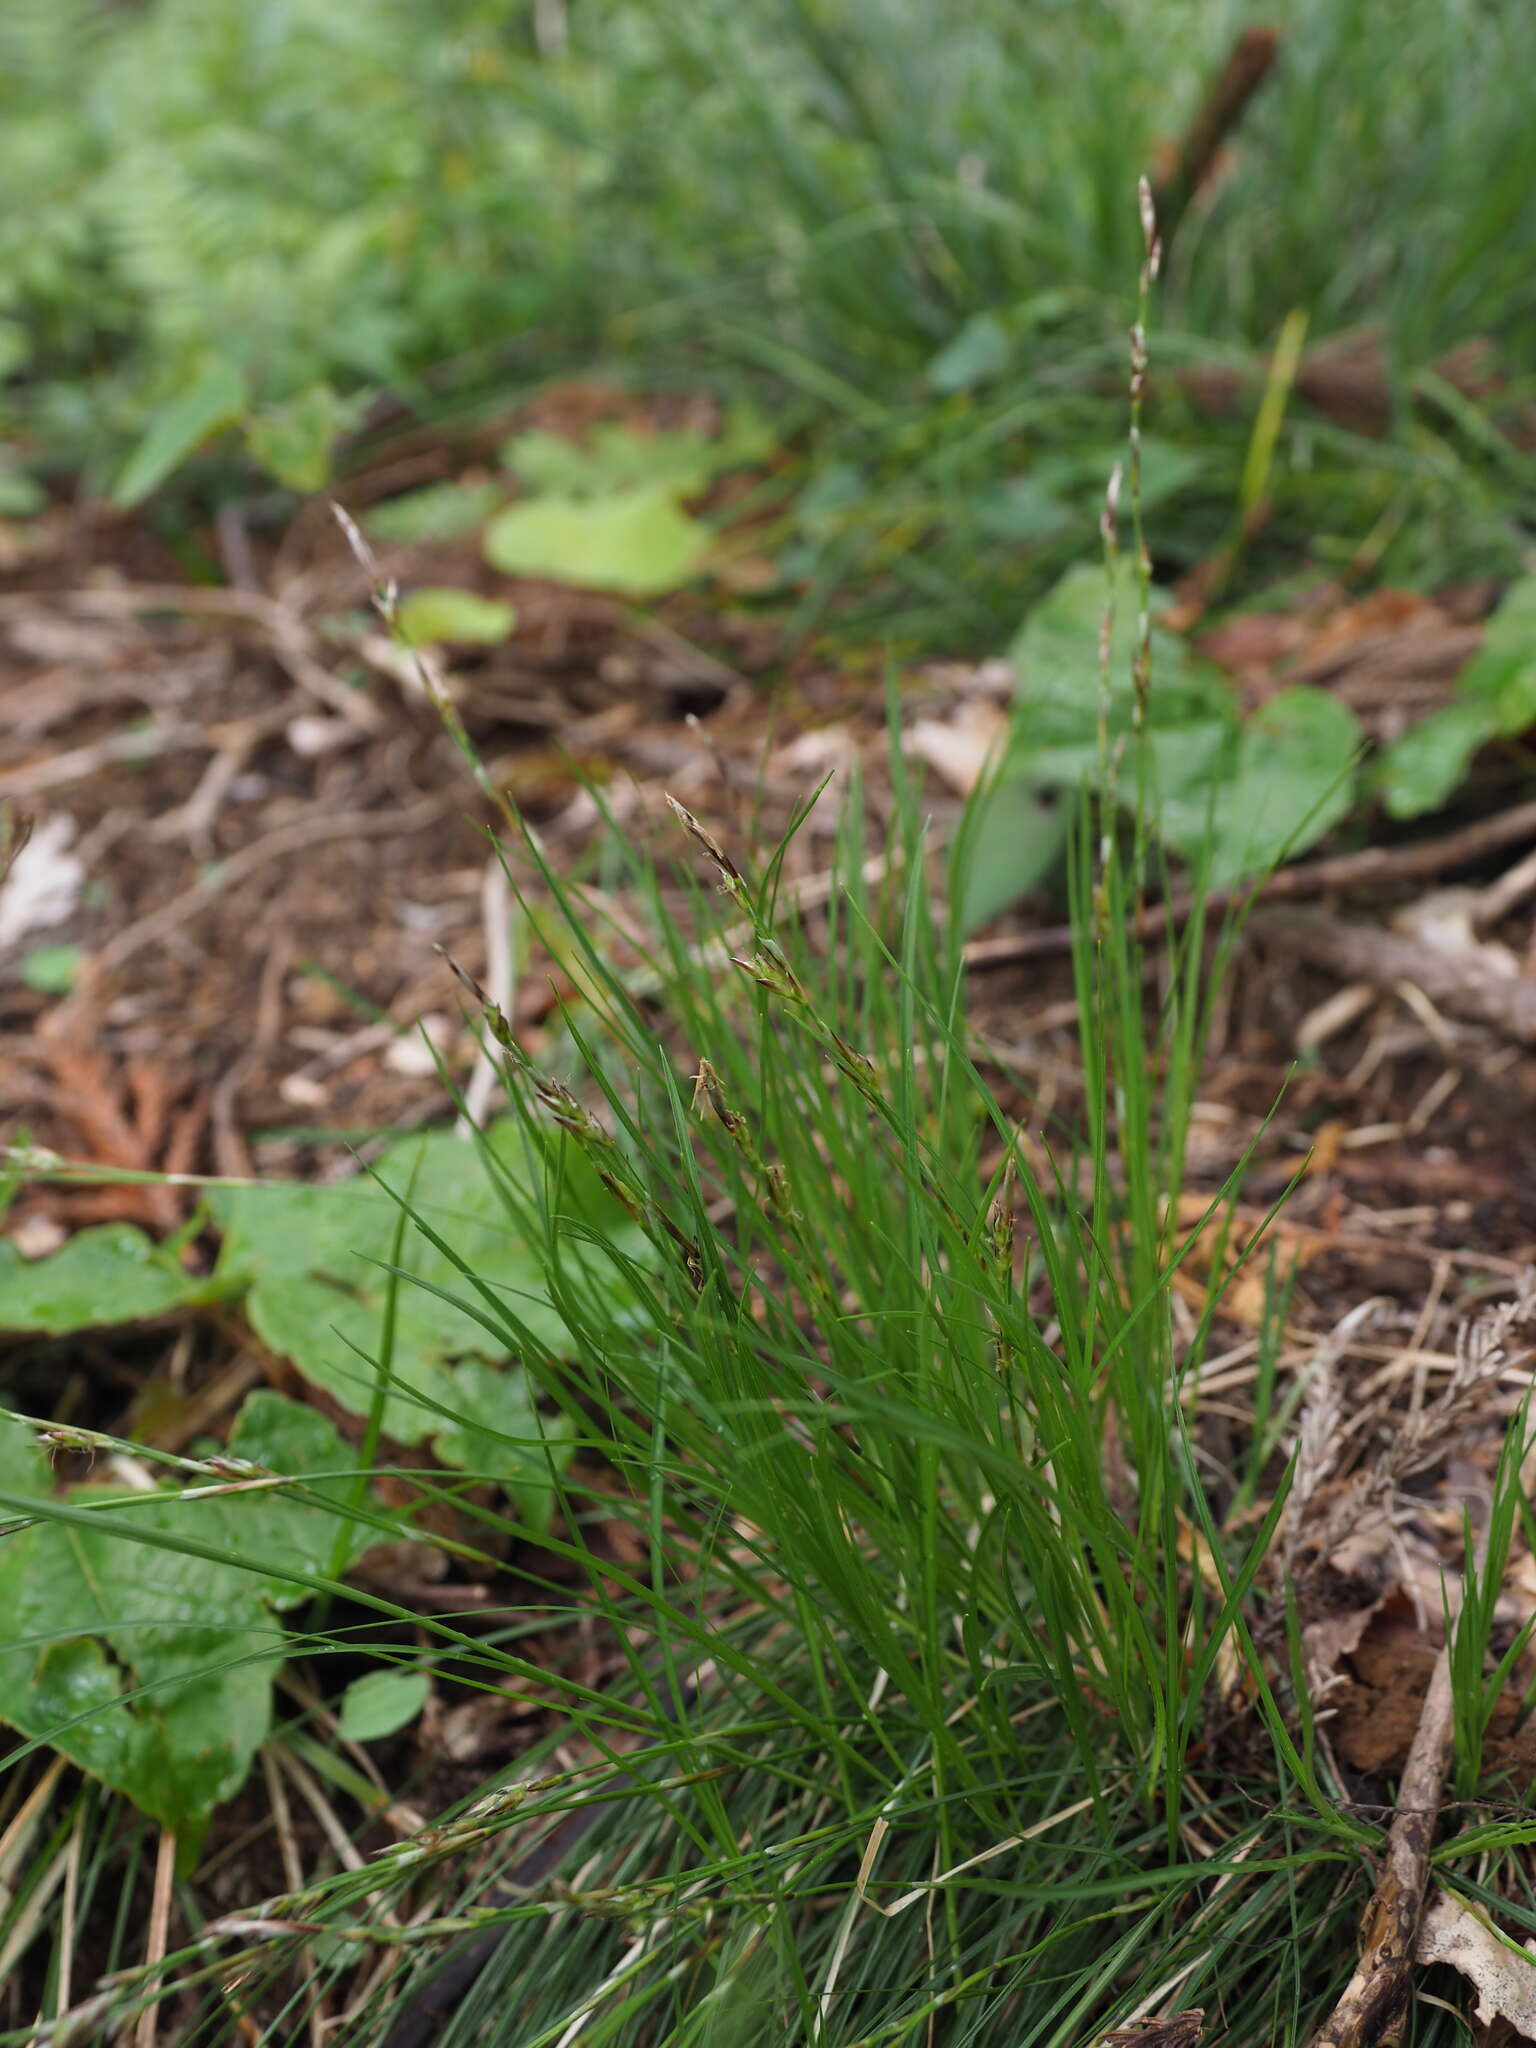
[(904, 224)]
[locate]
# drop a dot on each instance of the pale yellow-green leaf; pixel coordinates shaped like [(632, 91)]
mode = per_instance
[(636, 542), (457, 616)]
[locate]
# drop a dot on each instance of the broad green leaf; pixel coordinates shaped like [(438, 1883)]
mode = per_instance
[(25, 1465), (1495, 699), (1060, 492), (1425, 766), (440, 613), (1166, 468), (636, 541), (109, 1274), (1017, 837), (1024, 509), (1512, 629), (315, 1262), (1236, 797), (214, 402), (498, 1434), (1181, 757), (297, 1440), (89, 1616), (1062, 698), (745, 439), (1290, 777), (21, 496), (380, 1703), (1058, 677), (293, 441)]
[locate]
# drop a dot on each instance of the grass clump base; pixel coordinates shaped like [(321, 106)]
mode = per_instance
[(924, 1694), (948, 1684)]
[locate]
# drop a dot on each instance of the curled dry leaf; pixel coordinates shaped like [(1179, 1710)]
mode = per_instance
[(1329, 1640), (1502, 1974)]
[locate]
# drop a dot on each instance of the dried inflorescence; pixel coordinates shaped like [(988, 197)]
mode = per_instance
[(1424, 1437)]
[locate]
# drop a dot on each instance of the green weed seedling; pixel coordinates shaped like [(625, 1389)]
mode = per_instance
[(138, 1626), (140, 1620), (1231, 795)]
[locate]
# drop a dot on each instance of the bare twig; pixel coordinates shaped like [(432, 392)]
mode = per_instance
[(79, 762), (1462, 982), (286, 839), (1376, 1994), (233, 744), (1414, 862), (147, 2031), (287, 633)]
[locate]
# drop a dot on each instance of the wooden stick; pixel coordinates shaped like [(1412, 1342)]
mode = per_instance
[(1413, 862), (1371, 2009), (1375, 1996), (1218, 114), (1461, 982)]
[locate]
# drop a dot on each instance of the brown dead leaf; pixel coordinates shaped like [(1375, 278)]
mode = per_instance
[(124, 1122), (1377, 1713), (1349, 381), (1383, 611), (1374, 1731), (1253, 643), (1394, 1654), (1334, 1637), (1245, 1289)]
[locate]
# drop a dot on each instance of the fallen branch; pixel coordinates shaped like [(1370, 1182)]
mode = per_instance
[(1377, 1993), (1463, 982), (1413, 862), (289, 637)]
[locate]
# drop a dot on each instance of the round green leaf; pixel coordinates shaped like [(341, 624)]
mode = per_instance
[(438, 613), (637, 542), (316, 1260), (1290, 777)]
